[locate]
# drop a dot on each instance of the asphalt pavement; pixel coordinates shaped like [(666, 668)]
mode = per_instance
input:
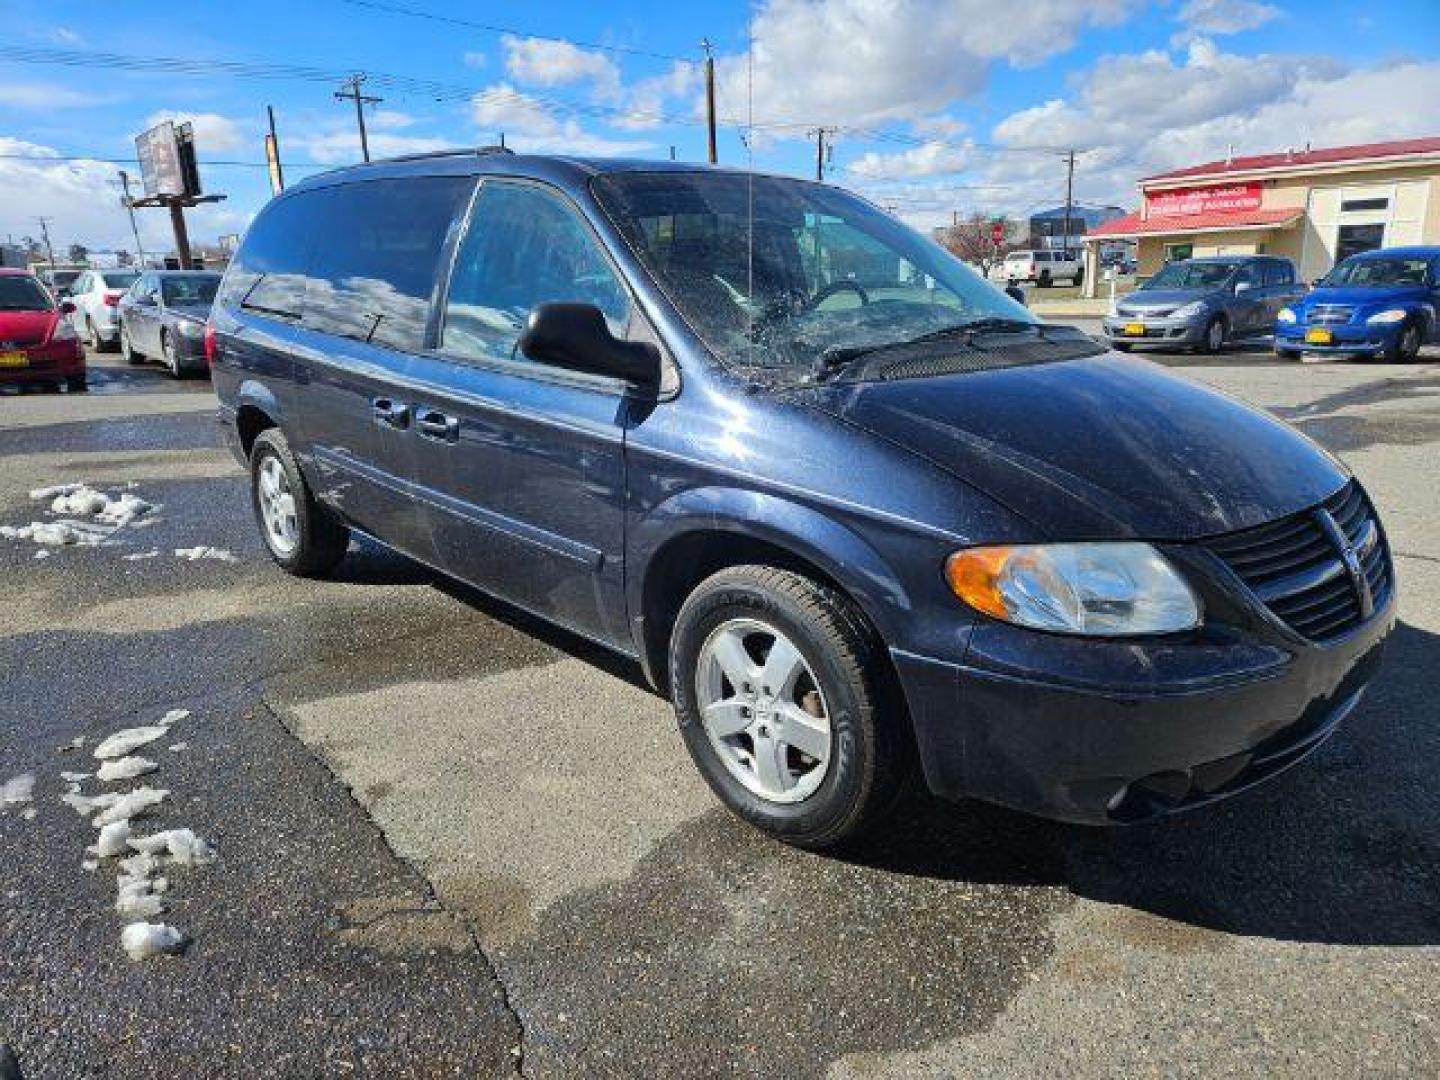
[(454, 841)]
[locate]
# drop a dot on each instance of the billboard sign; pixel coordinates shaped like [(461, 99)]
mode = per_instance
[(1187, 202), (159, 152)]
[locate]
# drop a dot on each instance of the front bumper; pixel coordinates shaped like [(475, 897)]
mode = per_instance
[(1346, 340), (1110, 732), (1158, 331)]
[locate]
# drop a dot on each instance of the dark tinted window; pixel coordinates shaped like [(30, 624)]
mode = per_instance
[(377, 251), (267, 276), (121, 279), (524, 247), (19, 293), (199, 289), (1279, 273)]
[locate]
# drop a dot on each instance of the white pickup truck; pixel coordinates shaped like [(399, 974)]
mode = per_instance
[(1043, 267)]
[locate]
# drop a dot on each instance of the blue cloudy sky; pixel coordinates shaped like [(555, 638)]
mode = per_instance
[(940, 105)]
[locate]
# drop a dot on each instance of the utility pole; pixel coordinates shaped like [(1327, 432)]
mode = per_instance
[(50, 251), (710, 101), (1069, 197), (352, 92), (130, 207), (820, 152)]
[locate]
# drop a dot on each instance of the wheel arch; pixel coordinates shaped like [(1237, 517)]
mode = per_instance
[(256, 410)]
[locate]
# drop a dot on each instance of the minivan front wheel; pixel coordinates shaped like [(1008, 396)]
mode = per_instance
[(783, 703), (300, 534)]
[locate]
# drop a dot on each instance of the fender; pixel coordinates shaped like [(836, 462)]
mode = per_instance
[(824, 541), (257, 394)]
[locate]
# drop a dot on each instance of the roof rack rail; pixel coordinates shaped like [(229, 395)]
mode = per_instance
[(477, 151)]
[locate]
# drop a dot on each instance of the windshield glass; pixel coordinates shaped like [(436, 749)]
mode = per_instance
[(121, 280), (772, 272), (23, 294), (1191, 275), (1376, 273), (199, 289)]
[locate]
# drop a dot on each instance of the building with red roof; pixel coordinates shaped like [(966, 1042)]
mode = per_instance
[(1313, 206)]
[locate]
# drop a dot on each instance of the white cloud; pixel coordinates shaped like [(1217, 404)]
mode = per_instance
[(862, 62), (83, 199), (931, 158), (645, 101), (475, 59), (213, 132), (39, 96), (65, 36), (1225, 16), (543, 62), (529, 125)]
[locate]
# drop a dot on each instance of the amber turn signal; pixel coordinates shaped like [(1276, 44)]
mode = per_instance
[(974, 576)]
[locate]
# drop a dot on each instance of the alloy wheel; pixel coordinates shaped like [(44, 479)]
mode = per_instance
[(763, 710), (1215, 335), (277, 507)]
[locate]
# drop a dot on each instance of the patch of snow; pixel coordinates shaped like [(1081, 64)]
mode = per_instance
[(89, 865), (142, 940), (45, 494), (17, 790), (43, 553), (85, 805), (182, 845), (122, 742), (204, 552), (74, 777), (74, 744), (175, 748), (126, 768), (58, 533), (174, 716), (136, 556), (116, 511), (28, 813), (131, 804), (137, 867), (114, 840)]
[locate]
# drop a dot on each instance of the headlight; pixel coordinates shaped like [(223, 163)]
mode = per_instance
[(1388, 317), (1285, 315), (1189, 311), (1105, 589)]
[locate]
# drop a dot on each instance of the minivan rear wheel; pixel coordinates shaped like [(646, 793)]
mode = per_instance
[(781, 693), (300, 534)]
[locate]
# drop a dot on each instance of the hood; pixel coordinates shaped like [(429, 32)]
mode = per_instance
[(1148, 299), (1098, 449), (26, 327), (1357, 296)]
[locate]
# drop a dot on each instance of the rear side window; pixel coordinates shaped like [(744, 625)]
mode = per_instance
[(524, 247), (267, 275), (377, 252), (1279, 273)]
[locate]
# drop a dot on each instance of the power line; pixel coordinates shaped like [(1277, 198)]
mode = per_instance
[(451, 20), (103, 160)]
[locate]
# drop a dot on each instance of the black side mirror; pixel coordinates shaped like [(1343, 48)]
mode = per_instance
[(576, 336)]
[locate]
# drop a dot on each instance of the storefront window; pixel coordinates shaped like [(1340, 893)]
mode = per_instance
[(1353, 239), (1176, 252)]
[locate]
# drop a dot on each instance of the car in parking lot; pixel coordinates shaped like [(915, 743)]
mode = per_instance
[(1204, 303), (96, 295), (1376, 304), (162, 317), (846, 527), (37, 343), (1043, 267)]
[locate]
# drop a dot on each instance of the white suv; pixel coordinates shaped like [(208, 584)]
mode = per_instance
[(1043, 267), (95, 295)]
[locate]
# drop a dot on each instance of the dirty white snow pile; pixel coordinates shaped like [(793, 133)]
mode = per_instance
[(17, 790), (193, 554), (87, 517), (140, 885)]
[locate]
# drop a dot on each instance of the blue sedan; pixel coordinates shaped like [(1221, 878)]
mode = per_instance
[(1379, 303)]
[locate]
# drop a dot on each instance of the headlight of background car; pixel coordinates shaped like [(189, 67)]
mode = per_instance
[(1109, 589), (1387, 318), (1189, 311), (1285, 315)]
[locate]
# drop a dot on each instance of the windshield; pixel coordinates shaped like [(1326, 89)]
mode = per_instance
[(1191, 275), (1378, 273), (23, 294), (199, 289), (119, 281), (772, 272)]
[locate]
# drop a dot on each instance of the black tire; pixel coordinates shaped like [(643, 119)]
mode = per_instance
[(132, 356), (1406, 347), (1121, 346), (1286, 354), (92, 336), (1210, 341), (321, 539), (77, 384), (169, 359), (871, 746), (1044, 280)]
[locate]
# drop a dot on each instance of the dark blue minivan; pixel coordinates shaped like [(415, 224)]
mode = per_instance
[(852, 508)]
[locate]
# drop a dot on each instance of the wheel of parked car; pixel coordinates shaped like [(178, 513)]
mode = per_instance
[(1044, 279), (77, 384), (1406, 346), (302, 536), (167, 351), (92, 336), (127, 350), (1213, 340), (778, 686), (1121, 346), (1286, 354)]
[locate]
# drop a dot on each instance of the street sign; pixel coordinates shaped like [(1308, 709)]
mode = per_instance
[(160, 169), (997, 233)]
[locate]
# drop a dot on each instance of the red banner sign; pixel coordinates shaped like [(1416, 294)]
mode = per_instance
[(1185, 202)]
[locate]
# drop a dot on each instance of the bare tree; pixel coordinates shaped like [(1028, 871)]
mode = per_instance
[(972, 239)]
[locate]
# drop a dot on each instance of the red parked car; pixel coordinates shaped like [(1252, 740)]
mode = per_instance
[(37, 342)]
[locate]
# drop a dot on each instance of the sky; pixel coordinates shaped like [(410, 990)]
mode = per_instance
[(934, 107)]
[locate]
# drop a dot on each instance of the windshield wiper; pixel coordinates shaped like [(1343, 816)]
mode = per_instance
[(838, 357)]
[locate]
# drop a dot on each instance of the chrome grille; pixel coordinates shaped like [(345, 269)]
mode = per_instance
[(1322, 571), (1330, 314)]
